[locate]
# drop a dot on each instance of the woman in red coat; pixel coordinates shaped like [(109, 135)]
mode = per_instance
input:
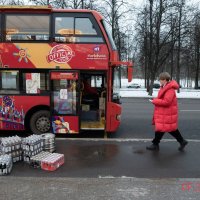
[(165, 116)]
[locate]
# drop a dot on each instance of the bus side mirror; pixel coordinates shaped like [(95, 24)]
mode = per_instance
[(130, 73), (129, 68)]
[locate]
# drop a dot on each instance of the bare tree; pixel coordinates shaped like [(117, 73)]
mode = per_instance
[(161, 31), (113, 12), (173, 39), (12, 2), (74, 4), (160, 39), (180, 20), (197, 49)]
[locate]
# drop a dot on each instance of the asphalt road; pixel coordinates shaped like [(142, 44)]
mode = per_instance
[(136, 121), (137, 118)]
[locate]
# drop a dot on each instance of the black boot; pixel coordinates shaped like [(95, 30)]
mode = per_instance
[(182, 145), (153, 147)]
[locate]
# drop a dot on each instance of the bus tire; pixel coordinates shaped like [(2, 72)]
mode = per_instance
[(40, 122)]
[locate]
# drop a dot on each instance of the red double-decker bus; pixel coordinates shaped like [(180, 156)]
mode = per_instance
[(59, 71)]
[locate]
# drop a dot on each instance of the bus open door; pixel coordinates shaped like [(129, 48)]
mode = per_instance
[(114, 110), (64, 101)]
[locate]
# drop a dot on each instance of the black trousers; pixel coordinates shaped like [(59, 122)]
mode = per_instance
[(176, 134)]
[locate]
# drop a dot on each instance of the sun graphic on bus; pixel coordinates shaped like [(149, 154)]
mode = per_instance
[(22, 54)]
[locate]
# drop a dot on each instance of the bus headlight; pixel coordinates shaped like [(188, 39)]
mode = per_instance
[(118, 117)]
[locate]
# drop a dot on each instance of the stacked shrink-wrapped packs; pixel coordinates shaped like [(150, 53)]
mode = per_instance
[(12, 146), (6, 164), (31, 146)]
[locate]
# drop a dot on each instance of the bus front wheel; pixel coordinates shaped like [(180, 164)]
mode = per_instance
[(40, 122)]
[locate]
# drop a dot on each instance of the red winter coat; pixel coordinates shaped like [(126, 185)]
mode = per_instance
[(165, 116)]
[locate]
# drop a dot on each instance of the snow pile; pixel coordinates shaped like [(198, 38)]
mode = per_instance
[(141, 92)]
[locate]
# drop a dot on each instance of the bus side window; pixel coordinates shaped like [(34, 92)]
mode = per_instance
[(9, 81), (35, 83)]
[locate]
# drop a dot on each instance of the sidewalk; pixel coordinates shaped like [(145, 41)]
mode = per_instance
[(24, 188), (114, 169)]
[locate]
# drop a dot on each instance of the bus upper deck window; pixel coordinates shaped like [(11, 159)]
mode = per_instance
[(27, 27), (64, 25), (79, 28), (64, 29), (85, 26)]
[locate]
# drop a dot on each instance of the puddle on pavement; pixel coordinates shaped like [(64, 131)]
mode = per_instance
[(139, 151), (103, 151)]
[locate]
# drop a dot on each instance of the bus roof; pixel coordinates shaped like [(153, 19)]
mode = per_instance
[(16, 7), (94, 12), (47, 8)]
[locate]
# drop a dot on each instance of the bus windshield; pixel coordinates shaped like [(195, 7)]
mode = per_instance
[(109, 34)]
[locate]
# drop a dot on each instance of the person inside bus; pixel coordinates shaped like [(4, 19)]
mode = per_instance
[(90, 94), (88, 89)]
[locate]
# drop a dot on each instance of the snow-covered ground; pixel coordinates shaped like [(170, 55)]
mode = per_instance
[(141, 92)]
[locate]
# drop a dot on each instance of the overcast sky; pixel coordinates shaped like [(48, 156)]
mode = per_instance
[(140, 2)]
